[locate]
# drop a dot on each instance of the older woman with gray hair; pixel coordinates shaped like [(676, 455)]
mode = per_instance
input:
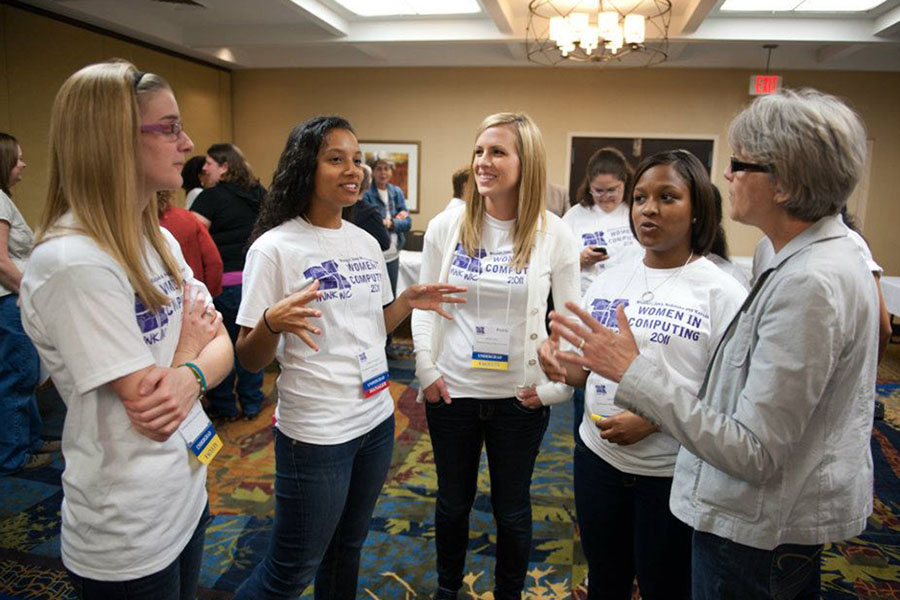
[(391, 205), (775, 458)]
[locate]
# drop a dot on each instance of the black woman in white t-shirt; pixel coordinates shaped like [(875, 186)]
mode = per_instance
[(479, 373), (678, 304), (317, 298)]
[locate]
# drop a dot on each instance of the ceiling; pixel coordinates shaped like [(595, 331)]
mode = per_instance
[(252, 34)]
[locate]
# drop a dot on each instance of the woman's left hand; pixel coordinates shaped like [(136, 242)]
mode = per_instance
[(166, 397), (625, 428), (199, 323), (606, 352), (529, 398), (430, 296)]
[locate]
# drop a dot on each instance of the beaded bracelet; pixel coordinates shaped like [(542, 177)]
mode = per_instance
[(266, 321), (198, 375)]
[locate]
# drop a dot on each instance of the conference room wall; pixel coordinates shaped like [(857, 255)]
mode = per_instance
[(442, 107), (38, 53)]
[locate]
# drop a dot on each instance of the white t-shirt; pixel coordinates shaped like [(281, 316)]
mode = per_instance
[(130, 504), (21, 239), (678, 329), (497, 296), (320, 397), (593, 226), (191, 196), (454, 202)]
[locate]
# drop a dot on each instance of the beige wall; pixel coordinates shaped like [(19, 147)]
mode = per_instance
[(441, 108), (37, 54)]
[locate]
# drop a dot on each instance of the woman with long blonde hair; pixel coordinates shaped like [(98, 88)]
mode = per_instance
[(479, 373), (128, 337)]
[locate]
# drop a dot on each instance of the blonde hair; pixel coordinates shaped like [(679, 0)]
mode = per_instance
[(532, 187), (96, 170)]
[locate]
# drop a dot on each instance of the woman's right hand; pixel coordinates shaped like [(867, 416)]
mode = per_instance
[(199, 323), (589, 257), (437, 391), (291, 315)]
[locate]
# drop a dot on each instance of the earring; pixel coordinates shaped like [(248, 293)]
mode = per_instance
[(694, 220)]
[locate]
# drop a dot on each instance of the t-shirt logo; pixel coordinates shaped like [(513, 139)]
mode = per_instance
[(328, 276), (593, 239), (605, 311), (466, 262)]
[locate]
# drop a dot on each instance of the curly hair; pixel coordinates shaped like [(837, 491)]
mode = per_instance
[(293, 183)]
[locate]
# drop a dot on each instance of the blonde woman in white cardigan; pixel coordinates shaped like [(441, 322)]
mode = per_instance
[(479, 373)]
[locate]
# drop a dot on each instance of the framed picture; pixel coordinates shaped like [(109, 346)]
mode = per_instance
[(406, 167)]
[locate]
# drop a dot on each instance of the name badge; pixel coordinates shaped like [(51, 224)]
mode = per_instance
[(374, 369), (200, 435), (490, 350)]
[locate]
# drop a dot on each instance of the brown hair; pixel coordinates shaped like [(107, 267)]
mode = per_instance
[(239, 171), (605, 161), (9, 156)]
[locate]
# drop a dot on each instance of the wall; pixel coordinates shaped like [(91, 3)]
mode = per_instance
[(442, 107), (32, 68)]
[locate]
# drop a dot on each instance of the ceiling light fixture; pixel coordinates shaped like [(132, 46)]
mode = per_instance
[(598, 31)]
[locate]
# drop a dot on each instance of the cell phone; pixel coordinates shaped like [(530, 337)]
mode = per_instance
[(600, 249), (305, 284)]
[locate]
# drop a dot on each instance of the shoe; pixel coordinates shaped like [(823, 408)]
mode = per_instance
[(250, 416), (443, 594), (879, 410), (220, 418), (37, 461), (48, 447)]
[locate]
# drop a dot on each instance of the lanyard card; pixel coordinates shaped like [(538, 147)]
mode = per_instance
[(490, 350), (200, 436), (374, 369)]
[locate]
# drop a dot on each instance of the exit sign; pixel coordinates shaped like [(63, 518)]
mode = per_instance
[(760, 85)]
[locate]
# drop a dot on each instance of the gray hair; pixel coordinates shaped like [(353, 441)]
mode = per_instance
[(366, 182), (815, 144), (382, 157)]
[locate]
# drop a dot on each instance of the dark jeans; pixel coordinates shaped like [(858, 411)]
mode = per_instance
[(20, 434), (249, 383), (324, 498), (512, 435), (577, 412), (724, 569), (627, 530), (393, 269), (178, 581)]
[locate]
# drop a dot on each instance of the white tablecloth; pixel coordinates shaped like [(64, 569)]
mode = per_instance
[(408, 273), (890, 287)]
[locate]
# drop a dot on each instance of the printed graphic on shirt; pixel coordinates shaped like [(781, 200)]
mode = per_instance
[(360, 271), (614, 236), (605, 311), (154, 325), (469, 268), (661, 320), (594, 238)]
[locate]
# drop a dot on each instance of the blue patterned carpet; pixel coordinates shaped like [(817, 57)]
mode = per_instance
[(399, 554)]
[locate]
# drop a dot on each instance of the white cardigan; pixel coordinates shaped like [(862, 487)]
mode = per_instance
[(553, 264)]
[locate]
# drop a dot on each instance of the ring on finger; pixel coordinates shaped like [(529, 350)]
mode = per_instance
[(581, 344)]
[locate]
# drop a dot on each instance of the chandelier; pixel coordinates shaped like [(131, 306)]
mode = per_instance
[(598, 31)]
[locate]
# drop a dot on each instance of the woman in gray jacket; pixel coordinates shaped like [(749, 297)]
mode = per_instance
[(775, 457)]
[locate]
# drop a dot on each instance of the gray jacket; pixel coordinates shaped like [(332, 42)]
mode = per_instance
[(776, 448)]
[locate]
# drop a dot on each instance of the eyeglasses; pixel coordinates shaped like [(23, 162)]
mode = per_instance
[(171, 130), (613, 191), (739, 165)]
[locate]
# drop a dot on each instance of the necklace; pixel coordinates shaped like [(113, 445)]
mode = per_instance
[(648, 295)]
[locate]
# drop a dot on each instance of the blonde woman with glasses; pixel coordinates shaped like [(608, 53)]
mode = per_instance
[(479, 373), (128, 336)]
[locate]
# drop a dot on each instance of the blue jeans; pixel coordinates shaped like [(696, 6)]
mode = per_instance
[(726, 569), (627, 530), (20, 434), (324, 499), (249, 383), (178, 581), (512, 435), (577, 412)]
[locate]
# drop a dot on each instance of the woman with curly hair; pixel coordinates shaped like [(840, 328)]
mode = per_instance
[(335, 415)]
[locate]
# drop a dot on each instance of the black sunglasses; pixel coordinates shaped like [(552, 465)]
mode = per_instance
[(739, 165)]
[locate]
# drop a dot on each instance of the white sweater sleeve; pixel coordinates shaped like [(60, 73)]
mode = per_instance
[(425, 322)]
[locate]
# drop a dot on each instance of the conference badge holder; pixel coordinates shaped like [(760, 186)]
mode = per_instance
[(374, 368), (490, 350), (200, 435)]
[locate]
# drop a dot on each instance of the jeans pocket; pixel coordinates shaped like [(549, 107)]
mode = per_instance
[(528, 411), (794, 570), (435, 405)]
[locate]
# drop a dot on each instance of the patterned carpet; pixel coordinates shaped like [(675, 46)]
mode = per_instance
[(398, 557)]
